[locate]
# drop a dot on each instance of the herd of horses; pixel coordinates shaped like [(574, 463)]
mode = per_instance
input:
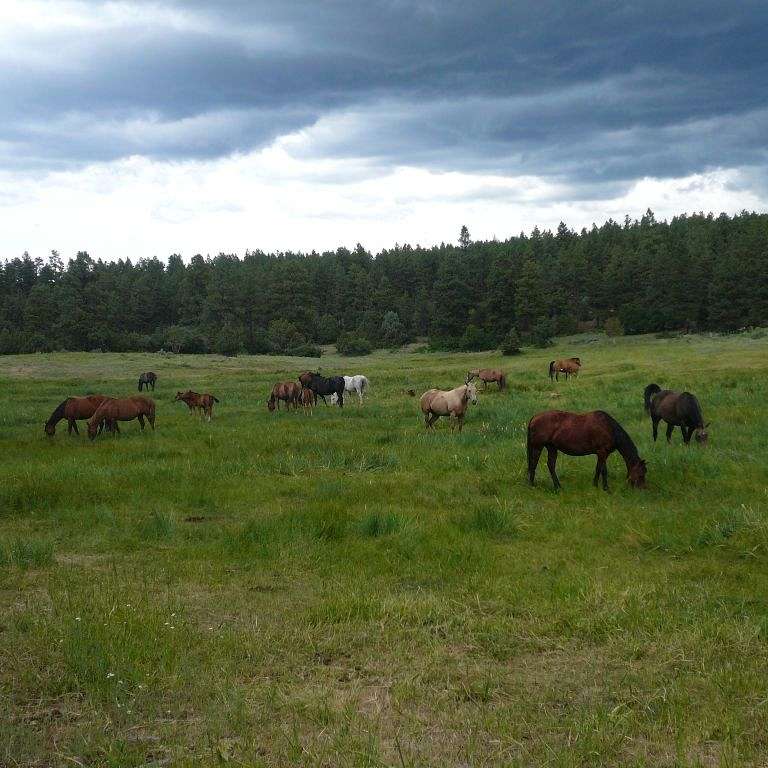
[(312, 385), (575, 434)]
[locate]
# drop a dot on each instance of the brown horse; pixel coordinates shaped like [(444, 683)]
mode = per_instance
[(203, 404), (452, 403), (678, 409), (487, 375), (581, 434), (113, 410), (287, 391), (307, 399), (72, 409), (569, 366)]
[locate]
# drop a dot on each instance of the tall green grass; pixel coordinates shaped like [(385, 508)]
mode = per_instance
[(347, 589)]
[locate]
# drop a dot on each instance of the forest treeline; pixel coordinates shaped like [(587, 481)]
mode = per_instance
[(697, 272)]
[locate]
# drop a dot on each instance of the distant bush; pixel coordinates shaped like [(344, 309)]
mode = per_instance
[(475, 339), (304, 350), (351, 345), (541, 333), (511, 343), (613, 327)]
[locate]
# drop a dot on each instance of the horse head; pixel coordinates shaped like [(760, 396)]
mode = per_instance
[(471, 392), (50, 429), (702, 436), (636, 474)]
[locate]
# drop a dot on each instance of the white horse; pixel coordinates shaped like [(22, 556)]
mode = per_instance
[(359, 384)]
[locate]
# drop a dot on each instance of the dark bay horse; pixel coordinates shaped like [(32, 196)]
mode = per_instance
[(678, 409), (487, 375), (72, 409), (197, 402), (146, 380), (569, 366), (581, 434), (113, 410), (287, 391), (322, 386)]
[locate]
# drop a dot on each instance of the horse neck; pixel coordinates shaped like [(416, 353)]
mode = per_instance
[(626, 448)]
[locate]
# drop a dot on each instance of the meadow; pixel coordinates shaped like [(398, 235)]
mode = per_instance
[(344, 589)]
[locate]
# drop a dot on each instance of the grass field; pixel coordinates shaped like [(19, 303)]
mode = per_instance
[(346, 590)]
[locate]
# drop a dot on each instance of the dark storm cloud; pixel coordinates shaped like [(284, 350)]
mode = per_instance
[(591, 93)]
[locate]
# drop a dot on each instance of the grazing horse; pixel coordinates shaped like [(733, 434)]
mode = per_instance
[(288, 391), (357, 383), (487, 375), (113, 410), (146, 380), (307, 399), (678, 409), (581, 434), (569, 366), (203, 404), (72, 409), (322, 386), (453, 403)]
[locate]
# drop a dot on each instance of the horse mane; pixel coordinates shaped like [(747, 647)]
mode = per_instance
[(692, 403), (624, 443), (648, 393), (58, 413)]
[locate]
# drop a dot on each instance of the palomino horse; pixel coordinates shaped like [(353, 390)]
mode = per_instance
[(72, 409), (322, 386), (146, 380), (453, 403), (357, 383), (678, 409), (203, 404), (487, 375), (113, 410), (581, 434), (287, 391), (569, 366)]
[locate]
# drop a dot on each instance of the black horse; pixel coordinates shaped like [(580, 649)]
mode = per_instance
[(678, 409), (147, 379), (322, 386)]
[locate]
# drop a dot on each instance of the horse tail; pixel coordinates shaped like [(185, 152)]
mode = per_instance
[(649, 392), (215, 399), (552, 369), (503, 381), (364, 383), (141, 381)]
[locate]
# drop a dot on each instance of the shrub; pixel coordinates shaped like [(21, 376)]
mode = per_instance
[(613, 327), (284, 335), (511, 343), (475, 339), (229, 341), (541, 333), (304, 350), (351, 345)]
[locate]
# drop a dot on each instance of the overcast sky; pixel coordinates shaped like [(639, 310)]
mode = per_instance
[(142, 128)]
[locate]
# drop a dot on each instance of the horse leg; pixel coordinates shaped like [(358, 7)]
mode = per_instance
[(670, 430), (605, 475), (552, 464), (687, 432), (655, 428), (533, 460), (460, 420)]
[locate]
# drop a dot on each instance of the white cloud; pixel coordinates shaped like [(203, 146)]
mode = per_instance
[(275, 201)]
